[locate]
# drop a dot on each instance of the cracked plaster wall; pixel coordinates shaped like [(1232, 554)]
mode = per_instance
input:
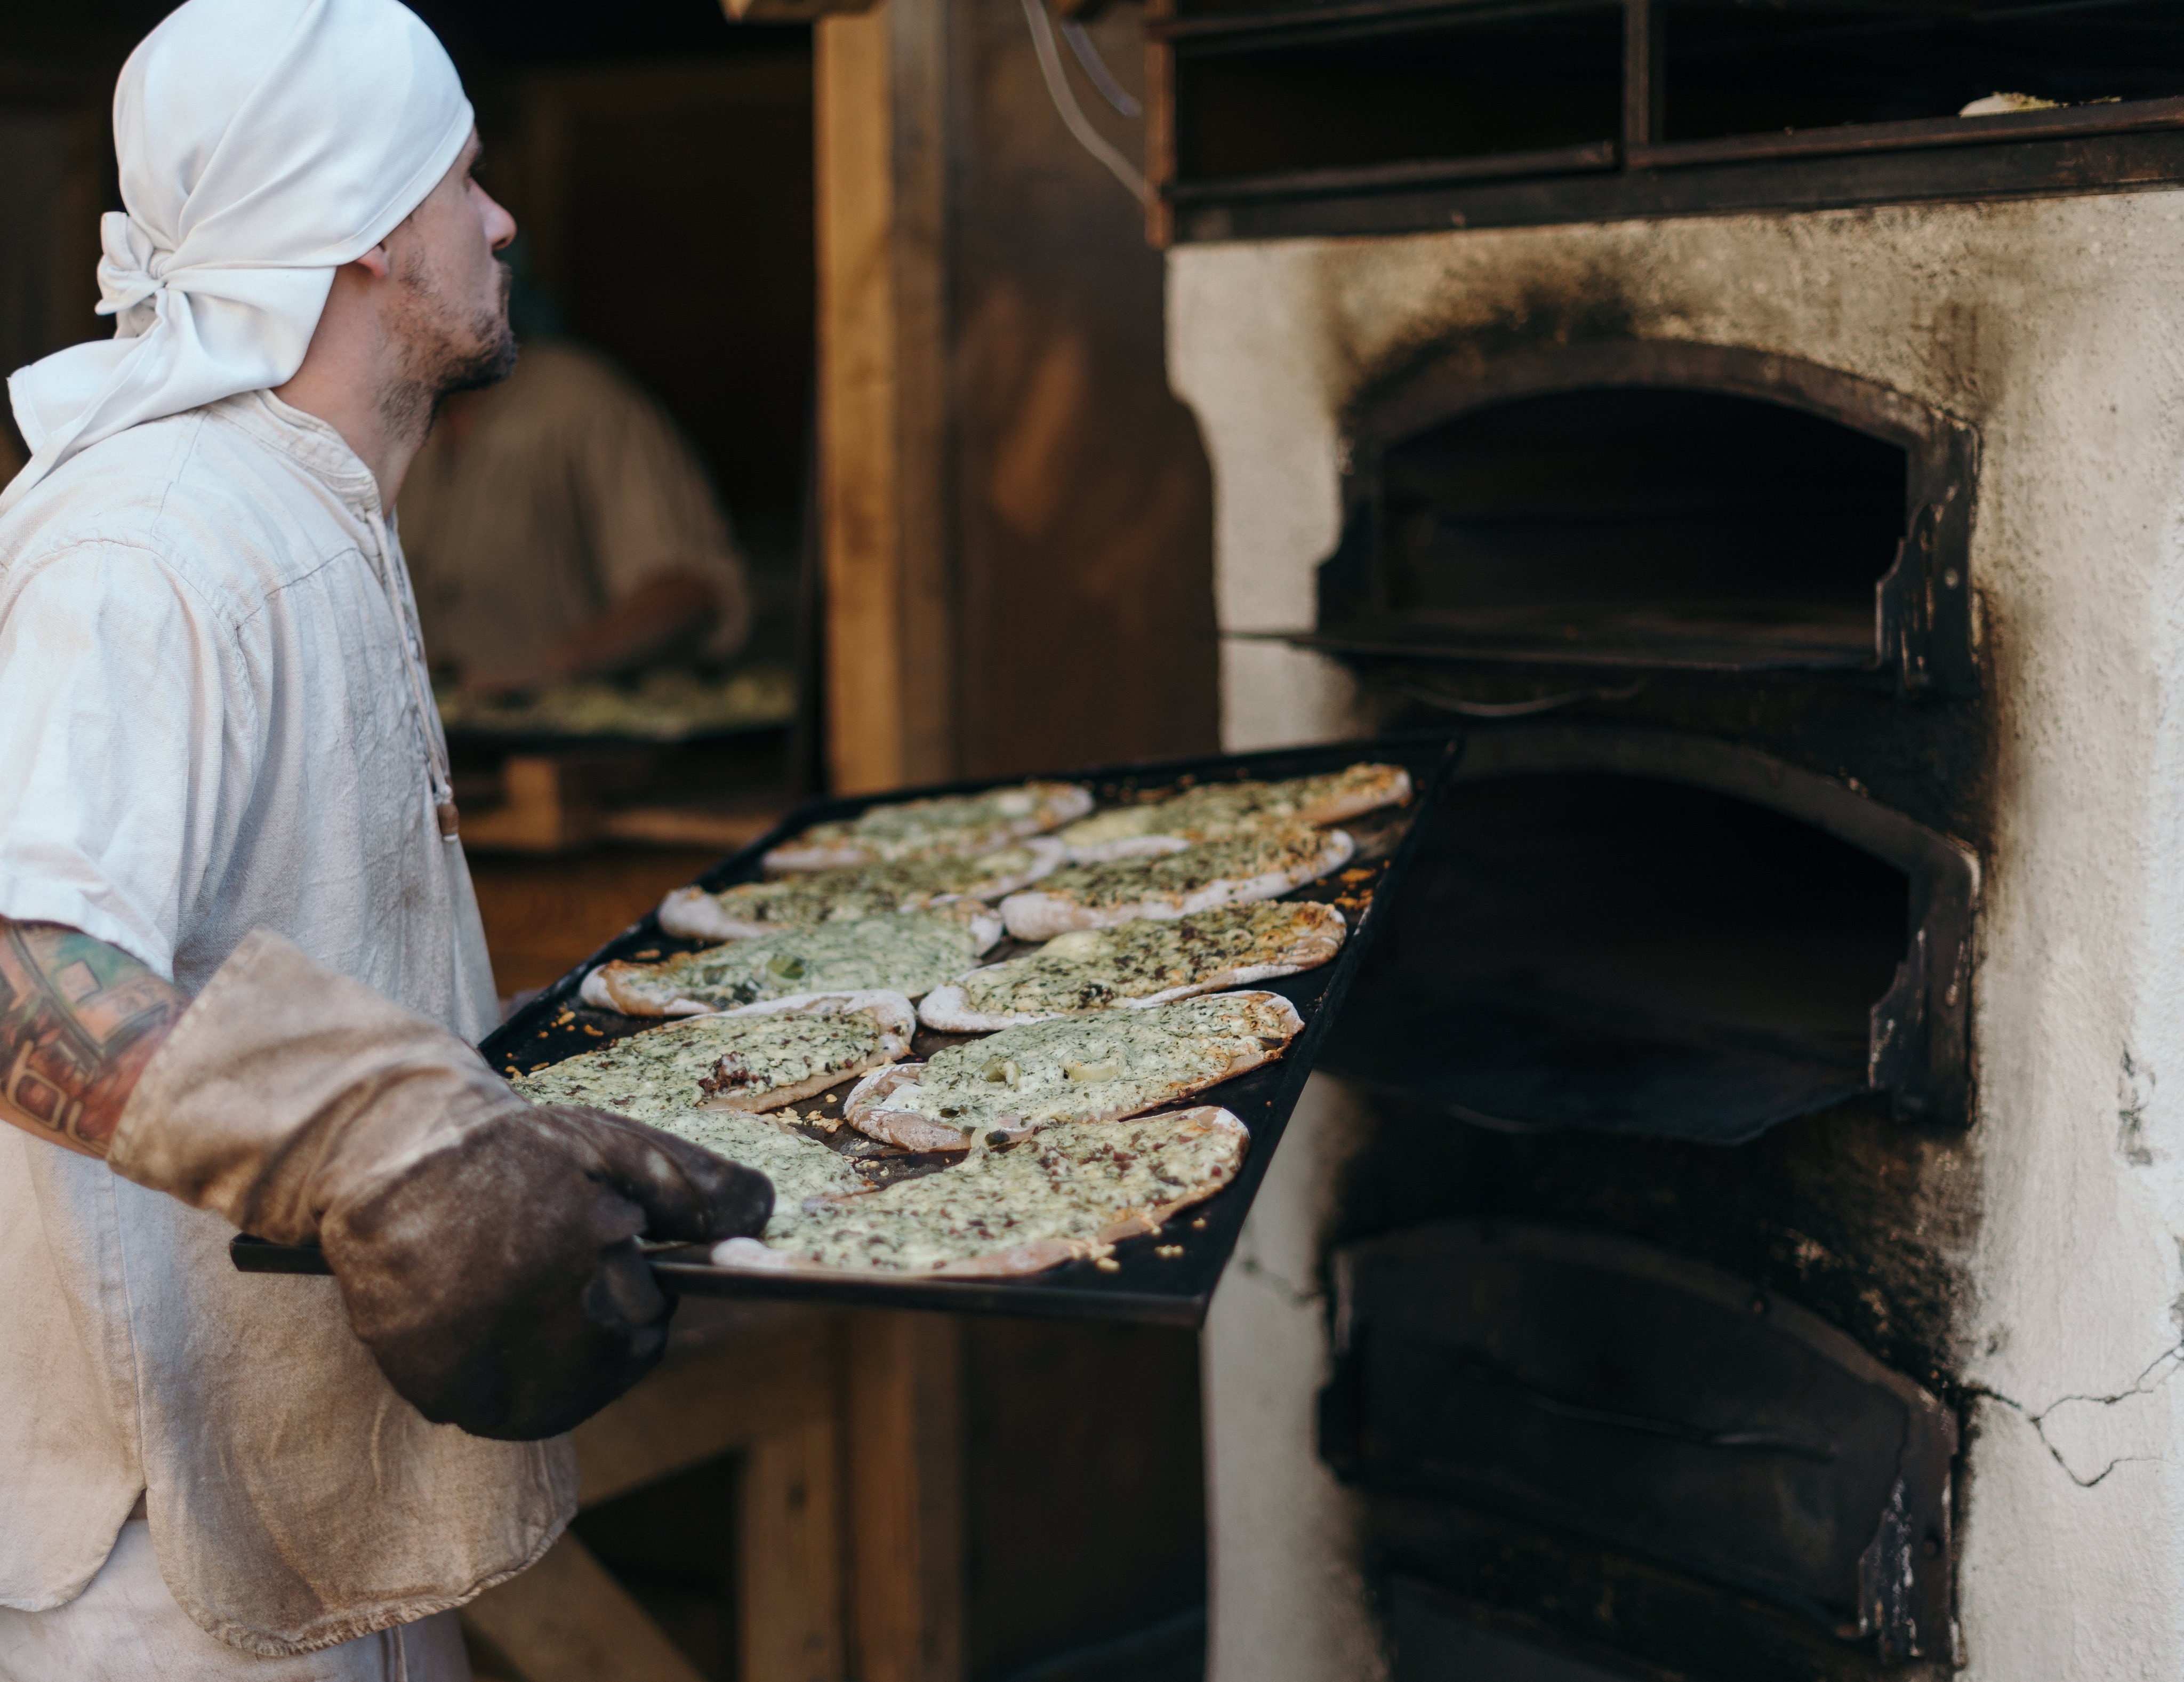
[(2056, 327)]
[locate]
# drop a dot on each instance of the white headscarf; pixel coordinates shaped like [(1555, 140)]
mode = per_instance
[(263, 143)]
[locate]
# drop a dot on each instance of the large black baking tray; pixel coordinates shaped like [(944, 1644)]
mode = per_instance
[(1166, 1278)]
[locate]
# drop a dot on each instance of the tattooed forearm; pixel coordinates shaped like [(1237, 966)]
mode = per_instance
[(79, 1020)]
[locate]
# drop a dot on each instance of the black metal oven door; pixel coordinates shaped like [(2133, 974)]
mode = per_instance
[(1597, 1385)]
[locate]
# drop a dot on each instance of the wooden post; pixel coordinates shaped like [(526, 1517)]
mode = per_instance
[(1160, 129), (1645, 49), (883, 391), (777, 1399), (566, 1620), (906, 1500), (789, 1612)]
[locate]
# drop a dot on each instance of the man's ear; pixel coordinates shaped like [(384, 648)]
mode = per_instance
[(375, 262)]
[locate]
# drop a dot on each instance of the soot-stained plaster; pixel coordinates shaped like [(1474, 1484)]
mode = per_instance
[(2030, 1263)]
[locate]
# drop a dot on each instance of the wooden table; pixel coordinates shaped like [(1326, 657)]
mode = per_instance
[(848, 1431)]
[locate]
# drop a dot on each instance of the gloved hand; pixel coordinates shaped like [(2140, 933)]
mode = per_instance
[(486, 1249), (498, 1281)]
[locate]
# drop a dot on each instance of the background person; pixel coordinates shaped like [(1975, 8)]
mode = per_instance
[(558, 526)]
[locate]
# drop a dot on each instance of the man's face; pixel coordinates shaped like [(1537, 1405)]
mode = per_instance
[(449, 308)]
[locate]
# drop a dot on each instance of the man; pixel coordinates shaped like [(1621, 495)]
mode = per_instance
[(558, 526), (239, 958)]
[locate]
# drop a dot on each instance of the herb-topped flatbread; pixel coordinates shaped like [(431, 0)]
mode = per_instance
[(1138, 964), (1218, 809), (704, 1079), (1089, 1068), (757, 1059), (911, 954), (1259, 864), (1075, 1190), (958, 824), (751, 909), (804, 1171)]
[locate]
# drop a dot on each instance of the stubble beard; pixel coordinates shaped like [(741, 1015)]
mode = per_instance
[(443, 351)]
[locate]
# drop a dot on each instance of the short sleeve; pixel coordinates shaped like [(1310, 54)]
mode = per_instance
[(652, 511), (125, 729)]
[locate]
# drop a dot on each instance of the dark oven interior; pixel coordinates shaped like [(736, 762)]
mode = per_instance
[(1654, 506), (1569, 1382), (1625, 954), (1645, 1279), (1620, 523)]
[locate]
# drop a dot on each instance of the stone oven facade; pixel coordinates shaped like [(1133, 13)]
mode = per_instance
[(1767, 953)]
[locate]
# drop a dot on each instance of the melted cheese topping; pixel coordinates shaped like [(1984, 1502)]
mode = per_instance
[(1111, 1062), (1073, 1183), (908, 954), (801, 1169), (663, 1071), (852, 891), (952, 823), (1219, 809), (1094, 969), (1175, 877), (653, 1078)]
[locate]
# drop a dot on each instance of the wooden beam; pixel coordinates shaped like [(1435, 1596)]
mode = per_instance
[(905, 1502), (880, 86), (566, 1620), (789, 11), (776, 1399), (721, 1402), (545, 807)]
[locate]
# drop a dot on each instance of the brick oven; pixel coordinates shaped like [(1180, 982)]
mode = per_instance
[(1739, 1229)]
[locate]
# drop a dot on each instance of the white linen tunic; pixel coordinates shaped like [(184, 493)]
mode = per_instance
[(211, 719)]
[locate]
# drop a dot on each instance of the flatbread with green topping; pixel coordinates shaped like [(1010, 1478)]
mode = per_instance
[(958, 824), (1218, 810), (911, 954), (705, 1079), (1139, 965), (804, 1171), (751, 909), (756, 1059), (1259, 864), (1075, 1190), (1098, 1067)]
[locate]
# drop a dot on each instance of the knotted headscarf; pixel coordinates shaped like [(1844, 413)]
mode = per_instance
[(263, 143)]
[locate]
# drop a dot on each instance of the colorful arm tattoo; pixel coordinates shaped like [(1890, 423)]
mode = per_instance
[(79, 1020)]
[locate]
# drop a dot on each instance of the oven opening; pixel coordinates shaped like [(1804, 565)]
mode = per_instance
[(1737, 69), (1622, 953), (1661, 527), (1453, 84), (1534, 1412)]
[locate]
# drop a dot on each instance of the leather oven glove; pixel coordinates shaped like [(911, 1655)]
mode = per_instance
[(486, 1247)]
